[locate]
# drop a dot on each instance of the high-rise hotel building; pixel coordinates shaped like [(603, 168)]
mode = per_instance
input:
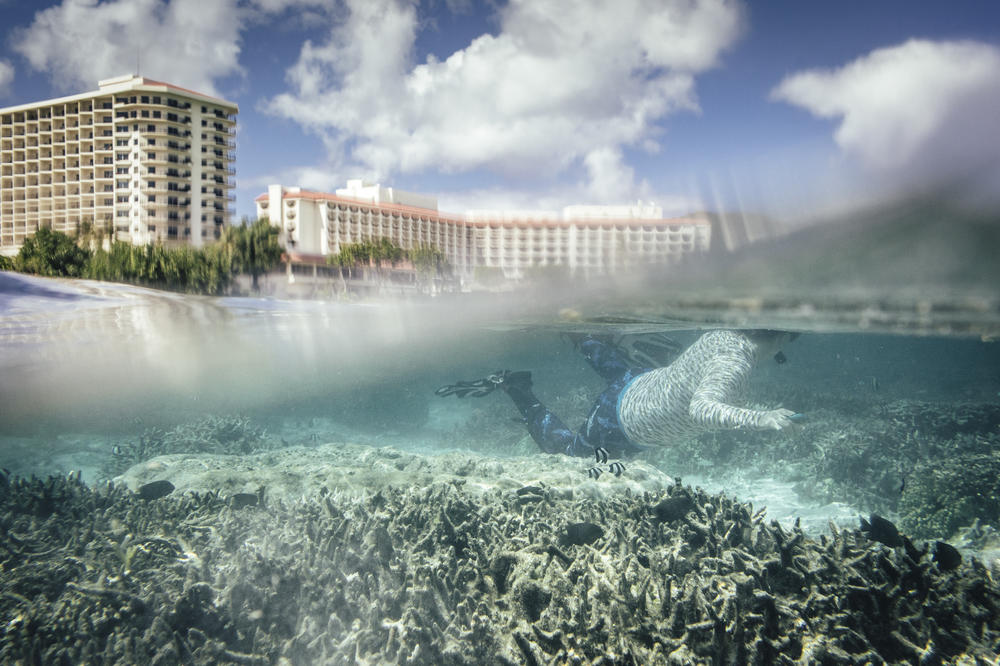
[(141, 160)]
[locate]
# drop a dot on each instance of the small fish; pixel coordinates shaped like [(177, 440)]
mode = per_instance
[(601, 454), (780, 358), (241, 500), (946, 556), (879, 529), (616, 468), (594, 473), (155, 489), (579, 534)]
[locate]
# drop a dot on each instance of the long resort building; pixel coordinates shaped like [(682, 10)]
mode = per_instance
[(141, 160), (585, 240)]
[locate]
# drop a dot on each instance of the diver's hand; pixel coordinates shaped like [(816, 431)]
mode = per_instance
[(776, 419)]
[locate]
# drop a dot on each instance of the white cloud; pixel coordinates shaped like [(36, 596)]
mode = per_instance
[(6, 76), (560, 86), (191, 43), (921, 109), (188, 42)]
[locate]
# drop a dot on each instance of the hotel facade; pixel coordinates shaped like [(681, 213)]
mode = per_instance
[(141, 160), (586, 240)]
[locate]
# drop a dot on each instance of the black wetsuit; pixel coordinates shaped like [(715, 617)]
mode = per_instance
[(601, 429)]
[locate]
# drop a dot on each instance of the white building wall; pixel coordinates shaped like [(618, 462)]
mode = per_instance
[(604, 238)]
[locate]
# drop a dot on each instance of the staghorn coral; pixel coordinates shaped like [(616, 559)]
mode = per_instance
[(233, 435), (434, 575), (944, 495)]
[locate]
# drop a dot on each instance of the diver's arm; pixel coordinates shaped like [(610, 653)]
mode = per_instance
[(709, 409)]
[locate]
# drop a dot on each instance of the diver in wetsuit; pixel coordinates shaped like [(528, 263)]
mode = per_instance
[(643, 406)]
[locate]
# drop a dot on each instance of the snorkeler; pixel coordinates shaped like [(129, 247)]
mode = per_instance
[(649, 406)]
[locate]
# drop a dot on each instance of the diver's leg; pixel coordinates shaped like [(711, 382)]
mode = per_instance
[(606, 358), (548, 431), (602, 428)]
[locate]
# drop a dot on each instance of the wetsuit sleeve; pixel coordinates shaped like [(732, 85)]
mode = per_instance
[(709, 408)]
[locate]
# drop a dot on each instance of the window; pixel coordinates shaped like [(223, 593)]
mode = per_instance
[(156, 100), (145, 99), (156, 114), (152, 142), (150, 128), (151, 156), (151, 198)]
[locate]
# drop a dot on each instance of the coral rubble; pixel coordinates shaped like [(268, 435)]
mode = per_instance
[(439, 575)]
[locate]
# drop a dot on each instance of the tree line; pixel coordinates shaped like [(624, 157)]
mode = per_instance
[(250, 249), (373, 258)]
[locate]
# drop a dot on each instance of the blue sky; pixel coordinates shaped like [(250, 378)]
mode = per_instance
[(786, 107)]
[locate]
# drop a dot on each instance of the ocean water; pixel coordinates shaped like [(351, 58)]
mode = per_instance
[(897, 374)]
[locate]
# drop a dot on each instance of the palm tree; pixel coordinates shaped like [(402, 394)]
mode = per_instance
[(255, 248)]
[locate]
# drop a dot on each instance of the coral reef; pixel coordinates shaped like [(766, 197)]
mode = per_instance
[(944, 495), (212, 434), (436, 575), (885, 457)]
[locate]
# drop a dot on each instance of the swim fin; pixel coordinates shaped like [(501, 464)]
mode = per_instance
[(473, 389)]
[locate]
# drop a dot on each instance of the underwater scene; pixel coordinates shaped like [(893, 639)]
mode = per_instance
[(787, 456)]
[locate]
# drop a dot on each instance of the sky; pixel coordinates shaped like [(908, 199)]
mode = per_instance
[(785, 107)]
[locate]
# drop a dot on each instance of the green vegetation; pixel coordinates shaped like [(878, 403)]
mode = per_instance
[(205, 271), (52, 254), (6, 263), (428, 261), (251, 249), (366, 254)]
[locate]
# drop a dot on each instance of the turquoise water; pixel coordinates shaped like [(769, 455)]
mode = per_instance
[(896, 372)]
